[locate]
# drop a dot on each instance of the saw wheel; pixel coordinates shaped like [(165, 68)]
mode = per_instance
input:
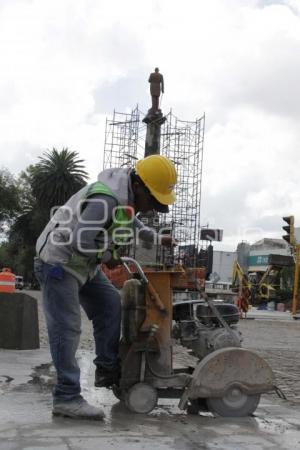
[(141, 398), (235, 403)]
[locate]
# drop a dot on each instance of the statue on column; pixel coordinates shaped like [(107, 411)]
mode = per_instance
[(157, 88), (156, 81)]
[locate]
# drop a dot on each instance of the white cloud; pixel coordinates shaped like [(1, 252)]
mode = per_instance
[(66, 64)]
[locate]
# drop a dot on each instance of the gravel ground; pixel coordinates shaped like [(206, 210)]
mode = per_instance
[(277, 341)]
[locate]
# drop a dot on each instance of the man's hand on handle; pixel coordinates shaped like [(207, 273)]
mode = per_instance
[(111, 260)]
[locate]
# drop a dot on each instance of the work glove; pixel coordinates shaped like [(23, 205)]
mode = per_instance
[(111, 259)]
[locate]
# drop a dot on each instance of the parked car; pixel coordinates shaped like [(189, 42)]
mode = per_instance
[(19, 282)]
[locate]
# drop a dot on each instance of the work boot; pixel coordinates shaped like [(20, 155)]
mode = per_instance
[(78, 408), (107, 377)]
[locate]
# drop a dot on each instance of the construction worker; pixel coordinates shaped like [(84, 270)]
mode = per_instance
[(80, 235)]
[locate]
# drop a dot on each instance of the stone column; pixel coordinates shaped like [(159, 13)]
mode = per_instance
[(154, 122)]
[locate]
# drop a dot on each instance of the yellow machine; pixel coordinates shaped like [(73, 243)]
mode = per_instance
[(266, 285), (259, 287), (242, 286)]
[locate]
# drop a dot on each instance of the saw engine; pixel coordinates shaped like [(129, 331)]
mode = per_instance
[(205, 327)]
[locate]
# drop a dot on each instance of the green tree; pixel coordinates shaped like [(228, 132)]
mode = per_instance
[(5, 258), (9, 196), (49, 183), (57, 176)]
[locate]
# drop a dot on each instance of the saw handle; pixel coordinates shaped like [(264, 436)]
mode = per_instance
[(125, 260), (154, 296)]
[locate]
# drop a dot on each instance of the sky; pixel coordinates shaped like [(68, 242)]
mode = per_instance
[(65, 65)]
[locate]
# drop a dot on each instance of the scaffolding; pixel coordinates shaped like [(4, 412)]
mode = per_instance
[(182, 142), (121, 139)]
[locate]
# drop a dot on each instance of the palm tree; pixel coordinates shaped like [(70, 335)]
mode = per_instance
[(57, 176), (49, 183)]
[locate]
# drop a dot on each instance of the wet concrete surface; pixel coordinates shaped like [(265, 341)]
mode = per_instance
[(26, 380), (26, 421)]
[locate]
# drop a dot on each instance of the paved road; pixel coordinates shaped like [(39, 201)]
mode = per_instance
[(279, 343)]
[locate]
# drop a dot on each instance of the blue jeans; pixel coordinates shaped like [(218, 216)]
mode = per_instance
[(62, 297)]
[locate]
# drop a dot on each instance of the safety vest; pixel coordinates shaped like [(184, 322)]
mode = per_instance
[(123, 218), (7, 281), (83, 267)]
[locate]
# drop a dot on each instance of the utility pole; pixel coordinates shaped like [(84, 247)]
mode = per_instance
[(296, 281), (291, 239)]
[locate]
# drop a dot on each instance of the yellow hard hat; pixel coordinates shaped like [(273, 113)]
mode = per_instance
[(159, 175)]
